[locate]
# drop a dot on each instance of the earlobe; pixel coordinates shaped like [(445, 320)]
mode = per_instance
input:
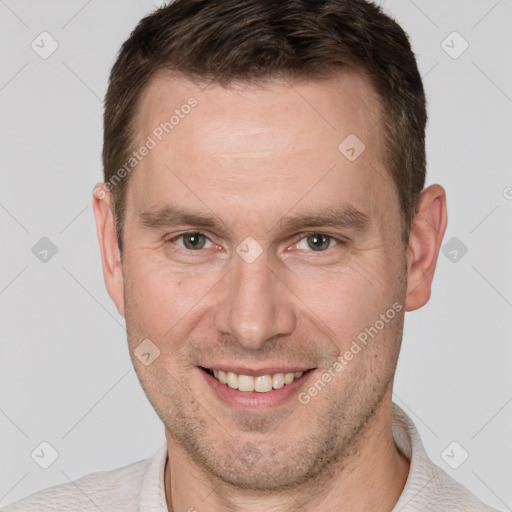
[(425, 240), (107, 238)]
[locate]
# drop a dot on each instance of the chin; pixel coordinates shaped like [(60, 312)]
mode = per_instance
[(259, 467), (263, 475)]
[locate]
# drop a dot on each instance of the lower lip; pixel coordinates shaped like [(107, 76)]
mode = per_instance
[(252, 400)]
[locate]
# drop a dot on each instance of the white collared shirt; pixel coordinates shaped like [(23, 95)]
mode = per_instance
[(139, 487)]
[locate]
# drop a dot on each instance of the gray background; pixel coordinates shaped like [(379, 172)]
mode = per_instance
[(65, 373)]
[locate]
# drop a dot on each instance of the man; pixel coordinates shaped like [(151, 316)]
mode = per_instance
[(263, 229)]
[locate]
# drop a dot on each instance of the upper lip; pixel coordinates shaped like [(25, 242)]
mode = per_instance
[(254, 372)]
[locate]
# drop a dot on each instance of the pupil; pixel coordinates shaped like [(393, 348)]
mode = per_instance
[(318, 241), (194, 241)]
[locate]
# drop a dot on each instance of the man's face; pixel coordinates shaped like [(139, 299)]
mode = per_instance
[(263, 162)]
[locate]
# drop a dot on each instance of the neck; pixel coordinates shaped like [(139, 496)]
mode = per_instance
[(370, 477)]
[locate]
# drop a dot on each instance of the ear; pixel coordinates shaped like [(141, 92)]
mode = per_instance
[(427, 231), (107, 238)]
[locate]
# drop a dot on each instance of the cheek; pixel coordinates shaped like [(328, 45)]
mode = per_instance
[(344, 303), (161, 300)]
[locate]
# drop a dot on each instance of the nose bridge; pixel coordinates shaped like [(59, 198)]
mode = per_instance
[(255, 306)]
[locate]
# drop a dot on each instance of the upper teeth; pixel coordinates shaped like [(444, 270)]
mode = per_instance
[(261, 383)]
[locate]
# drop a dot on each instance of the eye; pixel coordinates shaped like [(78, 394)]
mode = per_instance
[(193, 241), (318, 242)]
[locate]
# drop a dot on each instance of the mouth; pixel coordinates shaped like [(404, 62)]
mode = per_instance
[(263, 383)]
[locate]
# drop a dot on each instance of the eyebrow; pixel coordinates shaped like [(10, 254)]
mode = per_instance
[(344, 217), (171, 216)]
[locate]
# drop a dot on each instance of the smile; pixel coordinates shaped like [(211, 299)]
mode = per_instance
[(258, 383)]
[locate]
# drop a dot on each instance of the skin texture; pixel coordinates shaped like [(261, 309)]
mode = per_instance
[(250, 156)]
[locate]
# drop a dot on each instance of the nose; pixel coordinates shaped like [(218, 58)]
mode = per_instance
[(255, 306)]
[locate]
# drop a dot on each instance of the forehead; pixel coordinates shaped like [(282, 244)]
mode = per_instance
[(269, 142), (328, 108)]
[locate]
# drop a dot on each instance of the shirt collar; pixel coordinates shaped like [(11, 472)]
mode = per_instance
[(152, 491), (422, 471)]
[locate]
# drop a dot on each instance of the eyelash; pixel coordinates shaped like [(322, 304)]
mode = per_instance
[(301, 237)]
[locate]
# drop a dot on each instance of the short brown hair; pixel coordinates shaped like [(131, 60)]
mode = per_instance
[(222, 41)]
